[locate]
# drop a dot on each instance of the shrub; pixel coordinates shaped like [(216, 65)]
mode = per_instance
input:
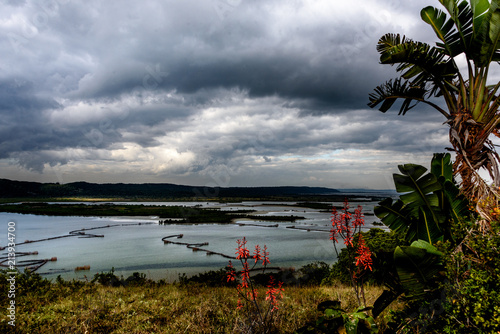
[(474, 284), (381, 245)]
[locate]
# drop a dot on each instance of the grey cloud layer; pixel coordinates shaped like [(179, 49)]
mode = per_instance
[(186, 88)]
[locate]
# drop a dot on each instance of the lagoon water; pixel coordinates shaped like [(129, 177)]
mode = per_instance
[(139, 248)]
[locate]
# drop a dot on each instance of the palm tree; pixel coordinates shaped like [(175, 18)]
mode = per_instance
[(471, 104)]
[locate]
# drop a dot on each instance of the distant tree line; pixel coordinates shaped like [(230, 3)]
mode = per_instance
[(23, 189)]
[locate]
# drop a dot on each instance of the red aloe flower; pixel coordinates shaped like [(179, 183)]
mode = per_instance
[(265, 260), (256, 254), (245, 275), (341, 224), (364, 258), (358, 217), (242, 250), (231, 275), (274, 293), (335, 225)]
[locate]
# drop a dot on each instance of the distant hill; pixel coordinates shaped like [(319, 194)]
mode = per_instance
[(23, 189)]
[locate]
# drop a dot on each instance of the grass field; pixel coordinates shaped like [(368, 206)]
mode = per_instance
[(171, 308)]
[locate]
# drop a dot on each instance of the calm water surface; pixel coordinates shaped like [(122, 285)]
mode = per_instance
[(139, 248)]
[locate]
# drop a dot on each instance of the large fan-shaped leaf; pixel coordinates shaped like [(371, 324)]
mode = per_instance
[(453, 204), (417, 213), (393, 215), (444, 29), (484, 46), (427, 227), (458, 203), (418, 188), (417, 265), (441, 166)]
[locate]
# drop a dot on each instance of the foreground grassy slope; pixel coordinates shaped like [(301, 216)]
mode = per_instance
[(171, 308)]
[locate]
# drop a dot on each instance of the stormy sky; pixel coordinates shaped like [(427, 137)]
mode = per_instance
[(206, 92)]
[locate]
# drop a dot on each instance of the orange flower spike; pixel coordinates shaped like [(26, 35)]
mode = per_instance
[(256, 254), (245, 275), (358, 217), (231, 275), (242, 250), (364, 257), (265, 260), (270, 289), (273, 293), (336, 225)]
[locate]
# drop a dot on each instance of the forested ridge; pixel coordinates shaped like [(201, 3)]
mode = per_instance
[(24, 189)]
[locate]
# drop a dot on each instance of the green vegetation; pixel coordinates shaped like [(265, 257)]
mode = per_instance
[(151, 307), (193, 215), (448, 275), (151, 191), (471, 31)]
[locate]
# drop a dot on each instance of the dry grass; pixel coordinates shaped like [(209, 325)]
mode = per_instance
[(165, 309)]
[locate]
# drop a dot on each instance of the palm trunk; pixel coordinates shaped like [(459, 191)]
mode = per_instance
[(475, 151)]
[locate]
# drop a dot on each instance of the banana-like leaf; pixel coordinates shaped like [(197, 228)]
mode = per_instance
[(418, 266), (416, 214), (418, 188), (458, 203), (479, 8), (441, 166), (444, 29), (484, 48), (452, 203), (424, 65), (418, 60), (427, 246), (427, 227), (394, 215)]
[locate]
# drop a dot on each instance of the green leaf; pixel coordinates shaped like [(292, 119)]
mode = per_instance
[(351, 326), (444, 29), (427, 228), (441, 166), (331, 313), (388, 93), (479, 8), (458, 203), (392, 215), (431, 249), (486, 36), (417, 269), (418, 188)]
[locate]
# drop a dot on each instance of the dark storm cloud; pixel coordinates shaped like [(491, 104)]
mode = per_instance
[(247, 49), (185, 88), (22, 127)]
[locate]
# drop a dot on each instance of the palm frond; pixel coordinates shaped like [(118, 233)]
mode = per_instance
[(418, 61), (388, 93)]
